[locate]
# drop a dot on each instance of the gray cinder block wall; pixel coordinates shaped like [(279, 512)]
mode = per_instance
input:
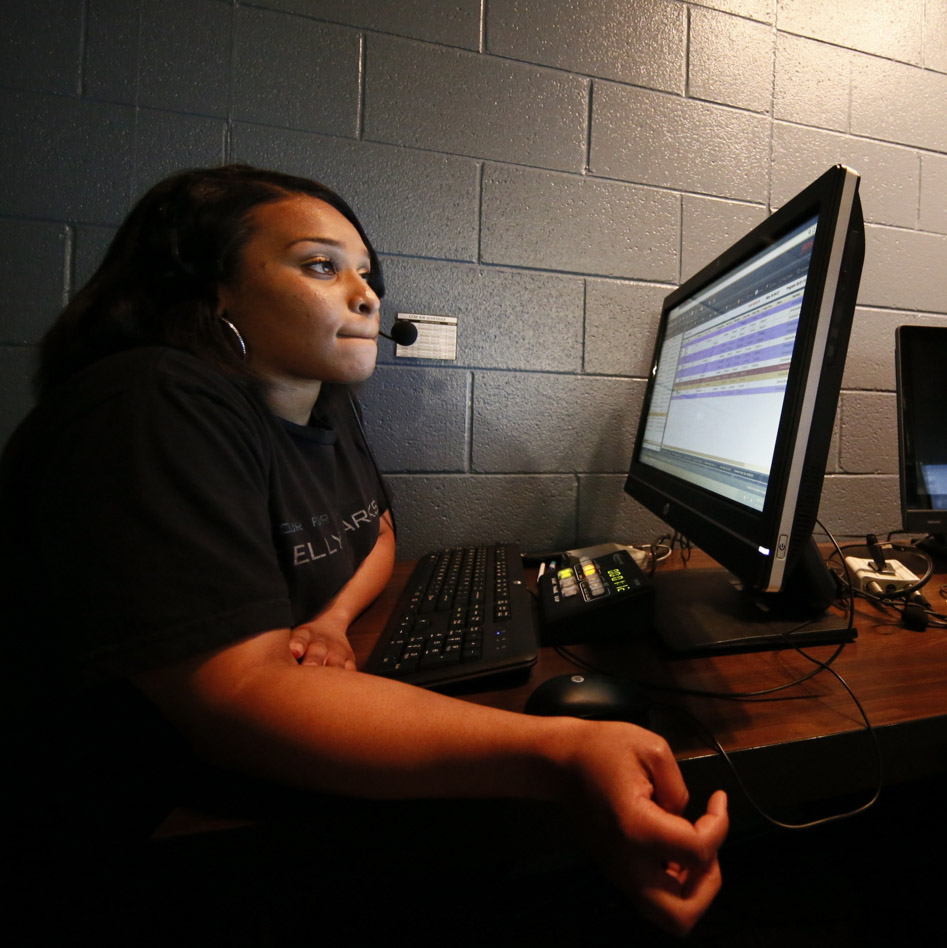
[(544, 170)]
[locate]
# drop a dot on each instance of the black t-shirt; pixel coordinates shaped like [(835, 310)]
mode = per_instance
[(153, 509)]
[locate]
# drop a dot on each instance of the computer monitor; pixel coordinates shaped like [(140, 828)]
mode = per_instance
[(737, 420), (921, 368)]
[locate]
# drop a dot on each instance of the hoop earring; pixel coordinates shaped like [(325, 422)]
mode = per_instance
[(236, 332)]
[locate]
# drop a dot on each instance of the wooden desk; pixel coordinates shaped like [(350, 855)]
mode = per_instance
[(810, 744)]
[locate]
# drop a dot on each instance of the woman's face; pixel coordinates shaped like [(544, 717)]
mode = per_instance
[(299, 297)]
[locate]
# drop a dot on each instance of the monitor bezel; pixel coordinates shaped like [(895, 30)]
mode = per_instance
[(760, 547)]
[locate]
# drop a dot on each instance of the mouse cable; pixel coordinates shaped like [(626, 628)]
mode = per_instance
[(782, 824), (765, 694), (712, 741), (821, 666), (869, 728)]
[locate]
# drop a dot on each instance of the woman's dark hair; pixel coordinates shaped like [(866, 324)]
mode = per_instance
[(157, 284)]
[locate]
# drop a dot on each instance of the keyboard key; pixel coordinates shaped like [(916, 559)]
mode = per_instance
[(435, 633)]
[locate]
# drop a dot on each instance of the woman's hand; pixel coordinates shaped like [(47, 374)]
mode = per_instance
[(322, 641), (668, 866), (630, 799)]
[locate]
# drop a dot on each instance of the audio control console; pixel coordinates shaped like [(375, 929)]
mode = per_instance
[(589, 598)]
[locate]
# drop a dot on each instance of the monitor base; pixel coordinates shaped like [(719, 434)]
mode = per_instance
[(704, 611)]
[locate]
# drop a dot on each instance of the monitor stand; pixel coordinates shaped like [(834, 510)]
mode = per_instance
[(705, 611)]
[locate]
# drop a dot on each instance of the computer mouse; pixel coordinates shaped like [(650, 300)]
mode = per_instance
[(590, 695)]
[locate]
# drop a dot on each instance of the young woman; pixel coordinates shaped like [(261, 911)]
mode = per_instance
[(190, 524)]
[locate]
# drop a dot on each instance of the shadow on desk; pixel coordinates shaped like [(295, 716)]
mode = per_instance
[(494, 876)]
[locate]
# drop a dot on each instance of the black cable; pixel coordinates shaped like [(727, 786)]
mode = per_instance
[(822, 821), (848, 573), (764, 695), (658, 550), (761, 695), (926, 572), (665, 543), (685, 545), (711, 739), (913, 609), (914, 613), (356, 411)]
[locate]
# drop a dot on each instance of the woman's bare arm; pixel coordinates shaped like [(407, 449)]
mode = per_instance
[(251, 707)]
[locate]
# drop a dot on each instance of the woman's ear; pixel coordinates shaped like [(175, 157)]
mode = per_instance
[(222, 297)]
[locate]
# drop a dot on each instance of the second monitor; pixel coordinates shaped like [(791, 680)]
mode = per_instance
[(920, 360)]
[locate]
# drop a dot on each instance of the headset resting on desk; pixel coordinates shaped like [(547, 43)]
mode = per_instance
[(915, 611)]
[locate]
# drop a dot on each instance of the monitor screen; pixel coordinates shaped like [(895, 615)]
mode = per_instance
[(722, 372), (921, 360), (738, 415)]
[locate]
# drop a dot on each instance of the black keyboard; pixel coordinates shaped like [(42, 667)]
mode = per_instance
[(464, 613)]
